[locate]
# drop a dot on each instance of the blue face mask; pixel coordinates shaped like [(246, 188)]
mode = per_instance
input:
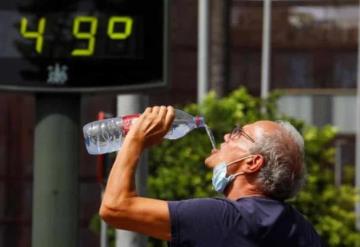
[(219, 179)]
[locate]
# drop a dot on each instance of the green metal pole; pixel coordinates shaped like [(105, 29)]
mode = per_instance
[(56, 166)]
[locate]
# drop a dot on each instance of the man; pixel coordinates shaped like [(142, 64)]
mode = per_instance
[(256, 168)]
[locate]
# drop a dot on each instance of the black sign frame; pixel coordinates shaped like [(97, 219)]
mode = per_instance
[(143, 83)]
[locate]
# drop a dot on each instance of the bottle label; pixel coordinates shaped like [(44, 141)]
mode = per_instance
[(127, 121)]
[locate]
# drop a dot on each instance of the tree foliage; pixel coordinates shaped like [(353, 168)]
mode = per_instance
[(177, 172)]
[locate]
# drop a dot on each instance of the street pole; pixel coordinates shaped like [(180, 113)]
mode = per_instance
[(219, 46), (357, 138), (101, 165), (129, 104), (203, 49), (56, 171), (266, 46)]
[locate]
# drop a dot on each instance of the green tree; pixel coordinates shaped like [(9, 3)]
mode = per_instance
[(177, 172)]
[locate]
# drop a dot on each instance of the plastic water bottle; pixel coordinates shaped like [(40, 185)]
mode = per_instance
[(105, 136)]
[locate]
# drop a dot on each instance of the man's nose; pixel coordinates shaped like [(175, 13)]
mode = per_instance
[(227, 137)]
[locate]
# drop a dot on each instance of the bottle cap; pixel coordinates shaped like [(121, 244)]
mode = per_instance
[(199, 121)]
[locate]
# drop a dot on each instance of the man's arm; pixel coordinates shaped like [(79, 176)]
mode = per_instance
[(121, 206)]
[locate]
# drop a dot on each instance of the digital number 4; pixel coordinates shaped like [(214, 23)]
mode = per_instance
[(38, 35)]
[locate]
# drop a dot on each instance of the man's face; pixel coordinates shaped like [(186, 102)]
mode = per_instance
[(236, 144)]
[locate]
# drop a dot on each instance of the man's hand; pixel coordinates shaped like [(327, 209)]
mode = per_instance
[(152, 126)]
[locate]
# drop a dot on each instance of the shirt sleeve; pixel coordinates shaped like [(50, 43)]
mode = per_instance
[(200, 222)]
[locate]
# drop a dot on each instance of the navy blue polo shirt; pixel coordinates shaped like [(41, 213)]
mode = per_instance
[(249, 221)]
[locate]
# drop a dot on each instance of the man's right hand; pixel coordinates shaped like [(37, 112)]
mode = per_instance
[(152, 126)]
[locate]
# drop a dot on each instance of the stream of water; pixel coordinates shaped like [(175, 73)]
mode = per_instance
[(211, 136)]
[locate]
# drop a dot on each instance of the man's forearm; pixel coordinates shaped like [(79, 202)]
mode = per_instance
[(121, 182)]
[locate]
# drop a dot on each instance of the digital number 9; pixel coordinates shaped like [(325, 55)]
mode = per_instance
[(85, 35)]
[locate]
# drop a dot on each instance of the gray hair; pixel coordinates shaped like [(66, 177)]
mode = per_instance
[(283, 173)]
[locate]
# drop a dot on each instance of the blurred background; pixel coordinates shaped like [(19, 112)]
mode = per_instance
[(306, 51)]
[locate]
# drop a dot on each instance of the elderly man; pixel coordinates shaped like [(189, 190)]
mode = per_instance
[(257, 167)]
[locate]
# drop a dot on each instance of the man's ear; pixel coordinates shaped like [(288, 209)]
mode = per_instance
[(254, 163)]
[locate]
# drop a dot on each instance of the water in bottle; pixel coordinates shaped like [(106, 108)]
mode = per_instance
[(103, 136)]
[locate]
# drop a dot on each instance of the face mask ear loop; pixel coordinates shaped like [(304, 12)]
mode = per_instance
[(233, 176)]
